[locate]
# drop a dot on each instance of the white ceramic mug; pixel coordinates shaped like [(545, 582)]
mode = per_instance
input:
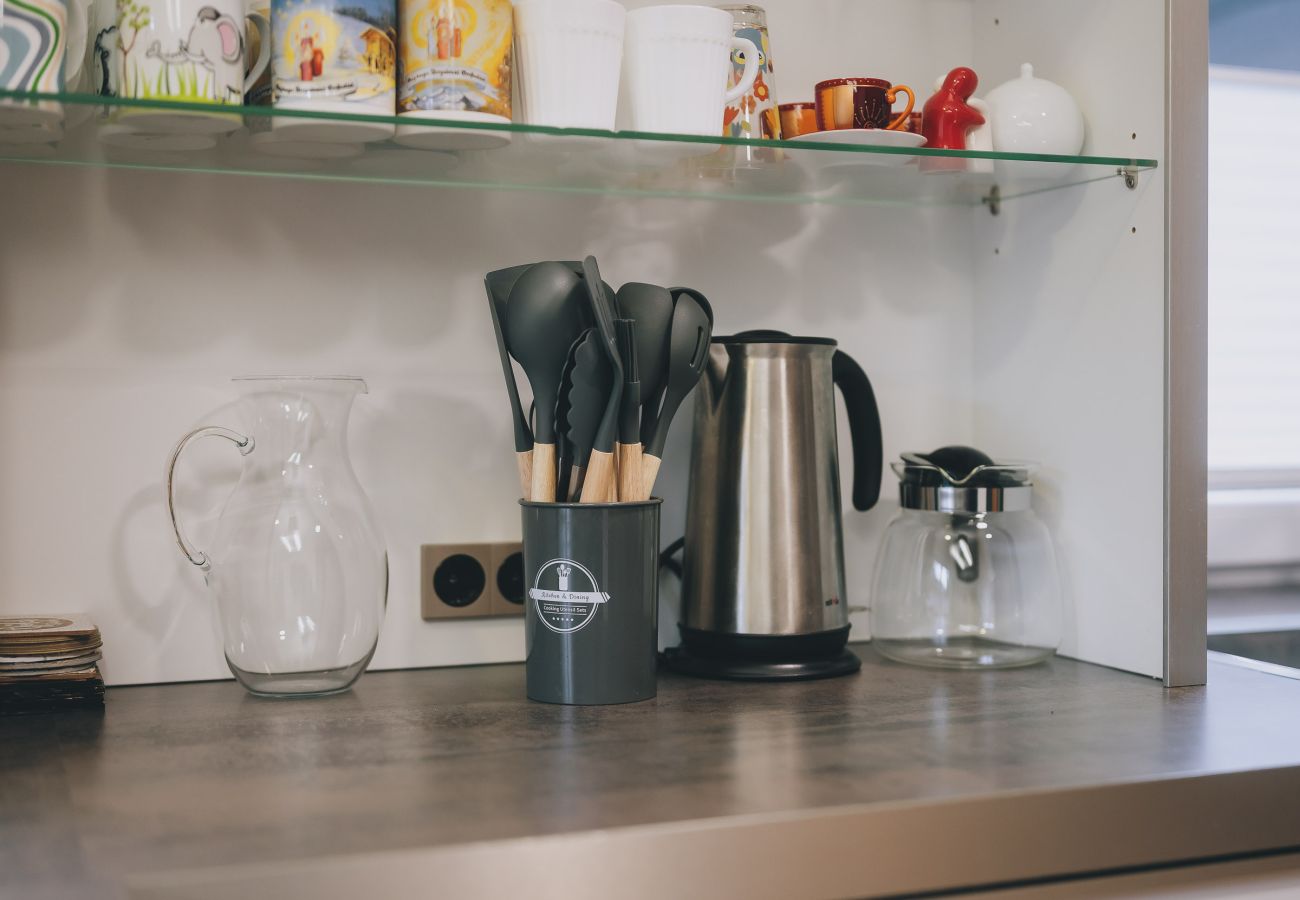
[(677, 62), (184, 50), (569, 54)]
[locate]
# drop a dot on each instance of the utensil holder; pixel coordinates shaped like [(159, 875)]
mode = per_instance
[(591, 618)]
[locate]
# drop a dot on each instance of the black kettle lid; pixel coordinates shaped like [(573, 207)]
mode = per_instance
[(767, 336), (960, 466)]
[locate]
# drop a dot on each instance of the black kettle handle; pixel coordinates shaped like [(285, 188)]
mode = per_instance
[(864, 429)]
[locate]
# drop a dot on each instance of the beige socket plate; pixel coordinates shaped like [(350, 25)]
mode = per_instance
[(463, 581)]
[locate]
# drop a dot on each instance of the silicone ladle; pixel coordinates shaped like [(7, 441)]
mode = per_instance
[(688, 351), (544, 317), (651, 307)]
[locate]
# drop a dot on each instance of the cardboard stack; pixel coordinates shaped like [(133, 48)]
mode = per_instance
[(49, 662)]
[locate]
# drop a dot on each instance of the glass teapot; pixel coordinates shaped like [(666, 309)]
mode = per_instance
[(297, 566), (966, 577)]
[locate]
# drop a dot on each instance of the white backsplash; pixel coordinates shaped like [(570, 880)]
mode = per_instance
[(127, 300)]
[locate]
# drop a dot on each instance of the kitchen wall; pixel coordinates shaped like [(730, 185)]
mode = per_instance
[(127, 299)]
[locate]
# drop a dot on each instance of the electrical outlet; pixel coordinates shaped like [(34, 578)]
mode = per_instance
[(510, 586), (457, 581)]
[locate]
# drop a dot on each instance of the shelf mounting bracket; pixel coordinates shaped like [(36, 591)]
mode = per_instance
[(993, 200), (1130, 174)]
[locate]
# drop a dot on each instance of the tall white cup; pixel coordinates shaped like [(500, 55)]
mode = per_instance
[(569, 54), (677, 63)]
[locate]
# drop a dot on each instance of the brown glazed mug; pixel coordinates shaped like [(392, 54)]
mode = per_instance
[(861, 103), (798, 119)]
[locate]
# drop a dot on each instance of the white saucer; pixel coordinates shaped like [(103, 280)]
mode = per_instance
[(856, 137), (865, 137)]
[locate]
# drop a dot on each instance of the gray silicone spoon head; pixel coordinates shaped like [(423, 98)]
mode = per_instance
[(687, 353), (498, 285), (543, 319), (651, 307)]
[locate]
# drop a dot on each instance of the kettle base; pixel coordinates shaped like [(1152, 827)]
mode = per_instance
[(737, 657), (683, 662)]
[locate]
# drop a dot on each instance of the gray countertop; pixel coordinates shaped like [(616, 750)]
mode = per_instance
[(925, 773)]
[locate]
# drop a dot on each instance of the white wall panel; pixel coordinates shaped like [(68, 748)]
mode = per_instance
[(1070, 321)]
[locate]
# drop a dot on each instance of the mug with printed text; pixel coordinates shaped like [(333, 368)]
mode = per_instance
[(335, 56)]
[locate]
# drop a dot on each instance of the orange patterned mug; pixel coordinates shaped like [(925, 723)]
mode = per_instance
[(798, 119), (861, 103)]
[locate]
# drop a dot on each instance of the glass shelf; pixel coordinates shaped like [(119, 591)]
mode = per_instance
[(190, 137)]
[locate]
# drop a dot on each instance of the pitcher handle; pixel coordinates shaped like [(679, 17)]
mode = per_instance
[(245, 445)]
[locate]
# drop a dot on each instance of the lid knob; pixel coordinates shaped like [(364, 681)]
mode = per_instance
[(957, 461)]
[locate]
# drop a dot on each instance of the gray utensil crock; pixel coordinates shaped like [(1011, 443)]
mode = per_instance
[(593, 599)]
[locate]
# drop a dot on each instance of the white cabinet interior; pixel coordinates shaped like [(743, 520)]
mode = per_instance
[(128, 299)]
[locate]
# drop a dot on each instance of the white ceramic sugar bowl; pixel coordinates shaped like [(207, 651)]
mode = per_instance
[(1033, 115)]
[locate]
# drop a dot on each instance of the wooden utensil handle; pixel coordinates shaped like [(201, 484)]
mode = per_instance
[(649, 472), (524, 460), (630, 479), (543, 480), (598, 482)]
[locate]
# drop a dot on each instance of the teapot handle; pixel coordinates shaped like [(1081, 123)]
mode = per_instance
[(864, 429), (245, 445)]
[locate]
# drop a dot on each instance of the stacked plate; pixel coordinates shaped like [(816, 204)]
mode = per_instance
[(49, 662)]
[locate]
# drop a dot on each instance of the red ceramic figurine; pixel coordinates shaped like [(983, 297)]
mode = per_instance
[(948, 117)]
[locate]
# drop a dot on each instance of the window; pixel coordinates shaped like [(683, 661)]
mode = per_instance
[(1254, 288), (1254, 276)]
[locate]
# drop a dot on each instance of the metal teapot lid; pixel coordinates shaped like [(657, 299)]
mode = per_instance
[(959, 479)]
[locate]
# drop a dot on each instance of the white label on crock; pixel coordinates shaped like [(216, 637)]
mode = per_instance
[(566, 596)]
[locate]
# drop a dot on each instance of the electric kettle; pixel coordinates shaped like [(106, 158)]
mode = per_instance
[(763, 594)]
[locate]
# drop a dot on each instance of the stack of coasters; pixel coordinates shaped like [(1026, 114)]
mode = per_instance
[(49, 662)]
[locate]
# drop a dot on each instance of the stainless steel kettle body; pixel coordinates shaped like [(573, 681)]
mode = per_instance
[(763, 571)]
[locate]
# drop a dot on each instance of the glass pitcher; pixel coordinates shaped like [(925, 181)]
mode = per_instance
[(297, 565)]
